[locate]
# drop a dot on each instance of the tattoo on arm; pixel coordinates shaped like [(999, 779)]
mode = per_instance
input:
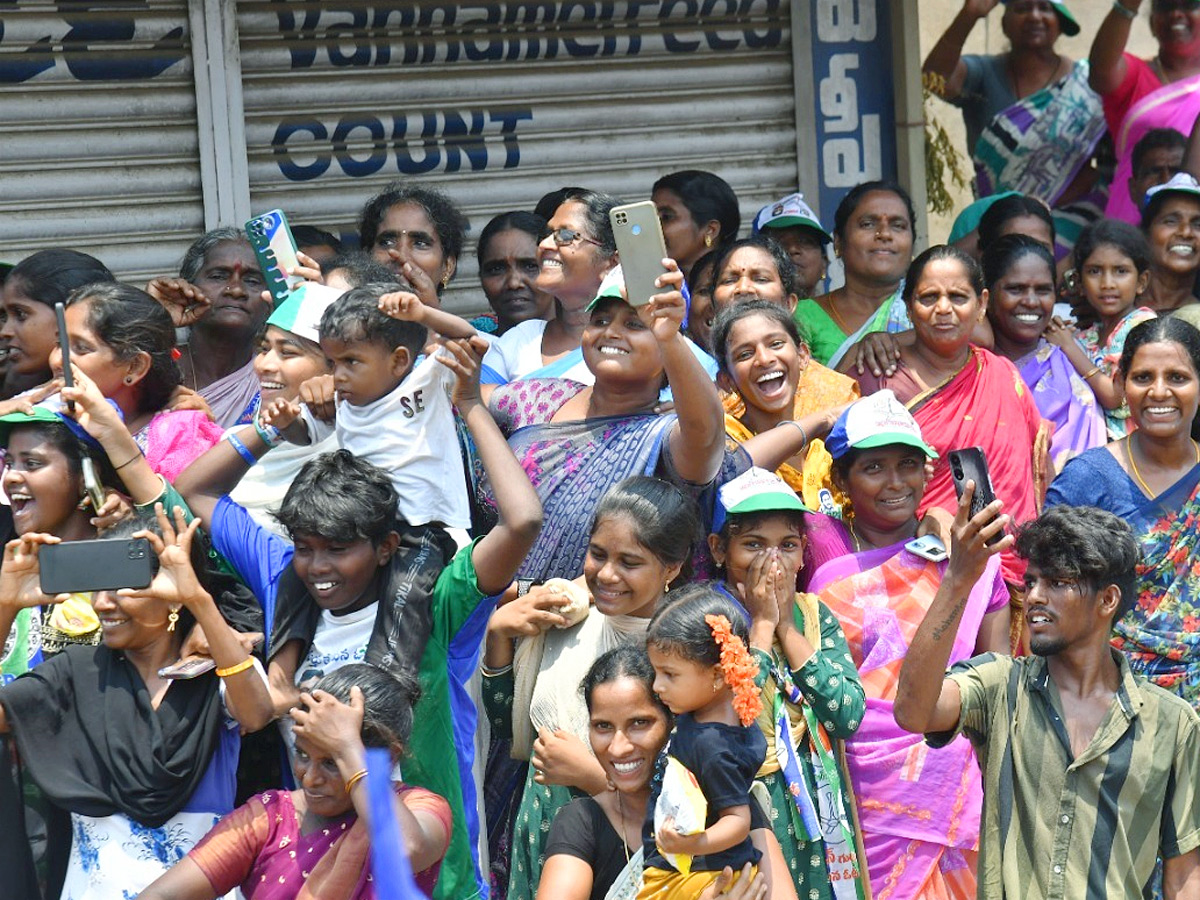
[(950, 620)]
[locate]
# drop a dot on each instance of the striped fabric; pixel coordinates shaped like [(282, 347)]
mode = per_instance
[(1065, 828)]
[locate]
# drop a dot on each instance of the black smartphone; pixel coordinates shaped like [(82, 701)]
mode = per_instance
[(91, 483), (970, 464), (74, 567)]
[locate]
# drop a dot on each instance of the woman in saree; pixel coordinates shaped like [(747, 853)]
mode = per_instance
[(575, 440), (873, 236), (963, 395), (1151, 478), (918, 813), (1033, 122), (779, 401), (1019, 274), (539, 646), (1140, 95)]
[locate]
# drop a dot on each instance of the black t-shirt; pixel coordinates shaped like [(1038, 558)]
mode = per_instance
[(724, 759), (581, 829)]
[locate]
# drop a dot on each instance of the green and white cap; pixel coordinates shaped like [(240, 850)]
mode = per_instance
[(611, 287), (300, 312), (1067, 22), (875, 421), (1180, 183), (755, 490), (790, 211)]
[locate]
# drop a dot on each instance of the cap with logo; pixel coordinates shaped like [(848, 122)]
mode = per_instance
[(876, 421), (788, 212), (755, 490), (300, 312)]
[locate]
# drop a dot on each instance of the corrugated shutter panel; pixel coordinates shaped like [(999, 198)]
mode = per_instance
[(99, 133), (497, 103)]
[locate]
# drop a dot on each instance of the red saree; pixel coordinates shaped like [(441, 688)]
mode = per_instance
[(986, 404)]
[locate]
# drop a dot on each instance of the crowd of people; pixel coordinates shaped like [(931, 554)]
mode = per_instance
[(687, 598)]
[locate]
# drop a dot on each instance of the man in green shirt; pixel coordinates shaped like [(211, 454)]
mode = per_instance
[(1091, 773)]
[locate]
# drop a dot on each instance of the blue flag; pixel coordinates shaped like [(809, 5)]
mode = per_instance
[(389, 863)]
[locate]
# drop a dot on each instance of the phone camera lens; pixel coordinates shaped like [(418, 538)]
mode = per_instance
[(622, 218)]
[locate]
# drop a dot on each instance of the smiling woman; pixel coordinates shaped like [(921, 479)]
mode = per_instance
[(1151, 479)]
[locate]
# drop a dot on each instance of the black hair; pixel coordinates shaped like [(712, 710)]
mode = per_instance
[(448, 221), (679, 626), (1158, 201), (66, 442), (740, 523), (855, 196), (706, 262), (1155, 139), (784, 267), (311, 236), (130, 322), (339, 497), (731, 315), (550, 201), (1090, 545), (1113, 233), (1004, 210), (49, 276), (516, 220), (596, 207), (388, 701), (934, 254), (358, 267), (624, 661), (197, 254), (708, 198), (1005, 252), (355, 317), (664, 519), (1165, 330)]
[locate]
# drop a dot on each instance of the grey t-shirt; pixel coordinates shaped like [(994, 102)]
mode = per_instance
[(986, 91)]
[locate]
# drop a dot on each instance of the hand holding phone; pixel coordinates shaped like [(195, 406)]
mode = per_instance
[(970, 464), (276, 250), (641, 247), (104, 564)]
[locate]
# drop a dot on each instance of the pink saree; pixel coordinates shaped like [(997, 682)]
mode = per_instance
[(918, 808)]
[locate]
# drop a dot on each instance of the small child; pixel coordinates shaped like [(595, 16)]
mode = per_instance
[(704, 674), (1112, 262), (811, 690), (393, 408)]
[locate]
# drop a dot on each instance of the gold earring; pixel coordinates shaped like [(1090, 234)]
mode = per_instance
[(172, 619), (445, 281), (708, 240), (667, 588)]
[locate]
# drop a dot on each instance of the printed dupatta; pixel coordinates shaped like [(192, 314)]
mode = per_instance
[(1160, 635)]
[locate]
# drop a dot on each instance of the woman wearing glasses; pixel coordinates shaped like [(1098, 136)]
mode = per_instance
[(573, 257)]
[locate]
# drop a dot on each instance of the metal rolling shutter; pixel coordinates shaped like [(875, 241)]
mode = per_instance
[(99, 133), (497, 103)]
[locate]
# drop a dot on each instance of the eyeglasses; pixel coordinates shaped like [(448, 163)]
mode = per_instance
[(564, 236)]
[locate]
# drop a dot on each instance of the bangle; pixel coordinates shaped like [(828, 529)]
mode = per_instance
[(355, 779), (242, 449), (1124, 10), (245, 664), (133, 458), (271, 436), (803, 433), (494, 673), (1094, 371)]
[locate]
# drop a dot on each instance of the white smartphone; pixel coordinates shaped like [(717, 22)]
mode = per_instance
[(929, 547), (641, 247)]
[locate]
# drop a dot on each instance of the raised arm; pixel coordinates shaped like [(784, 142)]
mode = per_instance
[(218, 470), (945, 59), (1107, 57), (927, 701), (406, 305), (499, 554), (697, 438), (20, 587), (775, 446)]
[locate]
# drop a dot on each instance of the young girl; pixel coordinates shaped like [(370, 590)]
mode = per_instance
[(704, 674), (811, 688), (1112, 260)]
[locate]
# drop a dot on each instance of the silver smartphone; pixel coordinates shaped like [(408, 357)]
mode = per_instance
[(641, 247)]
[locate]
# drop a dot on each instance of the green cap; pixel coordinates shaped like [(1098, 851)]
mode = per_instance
[(1067, 22)]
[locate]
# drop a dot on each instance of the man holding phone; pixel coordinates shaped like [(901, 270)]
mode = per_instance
[(1091, 773)]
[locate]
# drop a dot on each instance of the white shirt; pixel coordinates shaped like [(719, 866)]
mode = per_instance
[(410, 434), (338, 641)]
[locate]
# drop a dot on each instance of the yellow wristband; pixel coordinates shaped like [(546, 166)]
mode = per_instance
[(245, 664), (355, 779)]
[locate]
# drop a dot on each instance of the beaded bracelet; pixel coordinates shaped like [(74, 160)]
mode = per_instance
[(242, 449)]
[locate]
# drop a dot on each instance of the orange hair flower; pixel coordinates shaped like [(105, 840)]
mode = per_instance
[(739, 669)]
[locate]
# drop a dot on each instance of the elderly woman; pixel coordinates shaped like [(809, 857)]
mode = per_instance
[(965, 396), (219, 294), (1140, 95), (698, 211), (143, 764), (573, 257), (1032, 120), (27, 328), (873, 236)]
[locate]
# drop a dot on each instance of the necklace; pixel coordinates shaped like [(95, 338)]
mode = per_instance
[(1012, 76), (1138, 475), (624, 836), (836, 318)]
